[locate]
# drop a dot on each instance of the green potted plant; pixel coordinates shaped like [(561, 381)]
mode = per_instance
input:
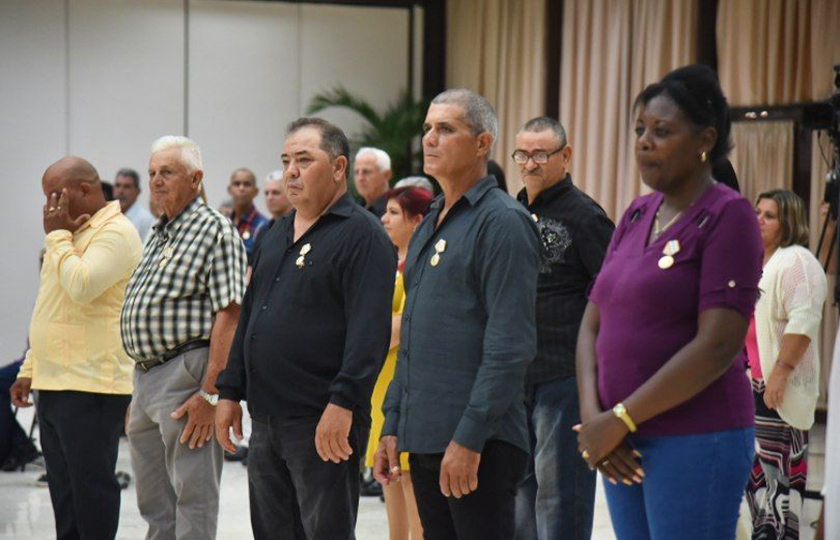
[(396, 130)]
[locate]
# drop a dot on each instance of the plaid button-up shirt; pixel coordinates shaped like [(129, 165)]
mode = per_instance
[(192, 267)]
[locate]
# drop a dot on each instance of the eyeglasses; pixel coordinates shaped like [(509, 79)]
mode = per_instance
[(540, 157)]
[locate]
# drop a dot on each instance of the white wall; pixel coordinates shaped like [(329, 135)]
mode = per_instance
[(103, 78)]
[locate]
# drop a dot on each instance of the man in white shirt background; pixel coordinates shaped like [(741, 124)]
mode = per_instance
[(126, 190)]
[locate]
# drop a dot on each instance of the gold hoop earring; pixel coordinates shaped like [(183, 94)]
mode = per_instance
[(704, 157)]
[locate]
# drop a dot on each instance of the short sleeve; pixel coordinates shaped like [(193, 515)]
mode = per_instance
[(226, 272), (592, 289), (731, 260)]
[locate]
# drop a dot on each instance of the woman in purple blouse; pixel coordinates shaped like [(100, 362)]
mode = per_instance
[(667, 411)]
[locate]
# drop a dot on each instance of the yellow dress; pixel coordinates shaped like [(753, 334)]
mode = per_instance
[(385, 378)]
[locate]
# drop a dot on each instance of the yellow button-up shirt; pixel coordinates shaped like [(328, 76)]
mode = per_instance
[(74, 335)]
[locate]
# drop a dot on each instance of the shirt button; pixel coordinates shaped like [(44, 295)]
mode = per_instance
[(253, 336), (731, 284), (276, 279), (265, 307)]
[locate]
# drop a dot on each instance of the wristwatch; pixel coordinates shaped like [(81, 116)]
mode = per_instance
[(212, 399), (620, 412)]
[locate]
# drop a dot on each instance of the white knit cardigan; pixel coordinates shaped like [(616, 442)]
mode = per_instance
[(793, 290)]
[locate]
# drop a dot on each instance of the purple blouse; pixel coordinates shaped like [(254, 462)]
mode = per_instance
[(648, 313)]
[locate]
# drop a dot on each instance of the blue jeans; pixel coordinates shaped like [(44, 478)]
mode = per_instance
[(692, 488), (557, 497)]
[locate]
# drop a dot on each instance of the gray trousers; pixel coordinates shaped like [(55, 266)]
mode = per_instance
[(177, 488)]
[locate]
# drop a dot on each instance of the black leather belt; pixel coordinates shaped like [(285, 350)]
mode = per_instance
[(146, 365)]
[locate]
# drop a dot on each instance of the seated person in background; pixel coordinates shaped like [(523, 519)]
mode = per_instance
[(16, 450)]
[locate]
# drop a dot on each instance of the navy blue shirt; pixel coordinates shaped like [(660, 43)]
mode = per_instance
[(316, 319), (468, 329)]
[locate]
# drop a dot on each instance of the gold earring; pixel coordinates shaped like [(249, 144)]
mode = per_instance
[(703, 157)]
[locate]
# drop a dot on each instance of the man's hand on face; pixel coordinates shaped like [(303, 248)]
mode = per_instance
[(332, 432), (57, 214), (201, 421), (459, 471)]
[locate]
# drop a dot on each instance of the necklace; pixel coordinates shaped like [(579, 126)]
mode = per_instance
[(657, 229)]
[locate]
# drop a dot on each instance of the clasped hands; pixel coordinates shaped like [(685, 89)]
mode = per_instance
[(602, 443), (458, 468)]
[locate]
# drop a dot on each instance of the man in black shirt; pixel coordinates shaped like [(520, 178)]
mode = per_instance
[(556, 499), (314, 331)]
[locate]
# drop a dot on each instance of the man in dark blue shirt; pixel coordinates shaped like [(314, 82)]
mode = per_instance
[(557, 498), (314, 331), (468, 334)]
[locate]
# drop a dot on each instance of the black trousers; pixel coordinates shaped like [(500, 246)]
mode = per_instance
[(485, 514), (80, 433), (294, 495)]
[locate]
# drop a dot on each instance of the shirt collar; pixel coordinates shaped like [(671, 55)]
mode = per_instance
[(172, 224), (343, 207), (547, 195), (102, 216), (474, 194), (249, 217)]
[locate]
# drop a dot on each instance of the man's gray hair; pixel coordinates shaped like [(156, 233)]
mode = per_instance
[(544, 123), (129, 173), (478, 113), (190, 152), (416, 181), (383, 160)]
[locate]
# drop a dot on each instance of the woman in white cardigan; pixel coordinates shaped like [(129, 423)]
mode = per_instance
[(782, 345)]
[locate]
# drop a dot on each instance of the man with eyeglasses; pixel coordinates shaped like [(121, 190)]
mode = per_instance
[(557, 497)]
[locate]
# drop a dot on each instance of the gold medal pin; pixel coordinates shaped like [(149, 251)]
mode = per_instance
[(301, 260), (246, 235), (440, 247), (668, 252), (167, 254)]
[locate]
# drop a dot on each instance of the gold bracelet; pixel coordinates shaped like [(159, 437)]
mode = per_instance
[(620, 412)]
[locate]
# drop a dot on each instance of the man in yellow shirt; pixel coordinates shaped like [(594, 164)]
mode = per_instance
[(76, 360)]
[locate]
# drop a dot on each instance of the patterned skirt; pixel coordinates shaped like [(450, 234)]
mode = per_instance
[(777, 482)]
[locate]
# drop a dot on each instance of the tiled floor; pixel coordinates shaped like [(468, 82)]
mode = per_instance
[(26, 513)]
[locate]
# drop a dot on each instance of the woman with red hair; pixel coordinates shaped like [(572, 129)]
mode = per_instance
[(405, 210)]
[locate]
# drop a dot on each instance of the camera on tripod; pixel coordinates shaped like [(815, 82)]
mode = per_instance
[(826, 116)]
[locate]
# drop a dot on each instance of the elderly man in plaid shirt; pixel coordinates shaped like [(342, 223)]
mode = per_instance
[(180, 313)]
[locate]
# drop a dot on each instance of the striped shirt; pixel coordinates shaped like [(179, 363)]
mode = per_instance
[(192, 267)]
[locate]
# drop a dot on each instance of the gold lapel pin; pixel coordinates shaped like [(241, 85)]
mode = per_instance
[(670, 249), (301, 260), (440, 247)]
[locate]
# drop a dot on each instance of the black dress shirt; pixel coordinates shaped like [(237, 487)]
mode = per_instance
[(378, 207), (316, 319), (468, 328), (575, 232)]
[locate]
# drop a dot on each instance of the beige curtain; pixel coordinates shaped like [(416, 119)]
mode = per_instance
[(497, 48), (830, 318), (763, 156), (773, 52), (612, 49)]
